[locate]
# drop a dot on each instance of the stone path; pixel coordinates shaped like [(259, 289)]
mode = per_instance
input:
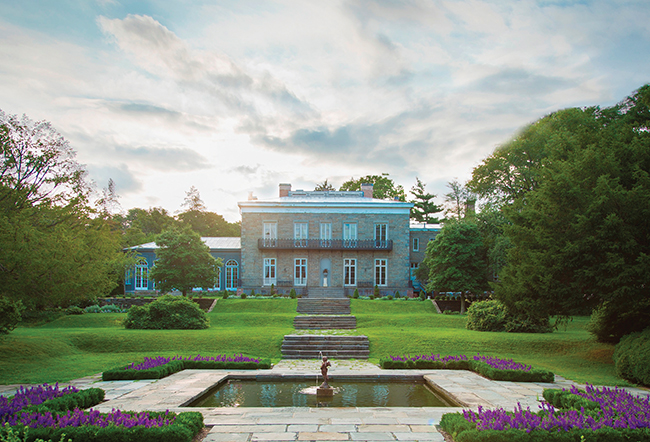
[(318, 424)]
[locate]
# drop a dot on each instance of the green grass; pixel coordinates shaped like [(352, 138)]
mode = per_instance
[(400, 328), (75, 346)]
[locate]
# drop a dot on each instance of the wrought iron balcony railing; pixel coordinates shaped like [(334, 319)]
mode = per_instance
[(325, 244)]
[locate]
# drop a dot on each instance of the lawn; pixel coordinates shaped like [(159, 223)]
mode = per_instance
[(76, 346)]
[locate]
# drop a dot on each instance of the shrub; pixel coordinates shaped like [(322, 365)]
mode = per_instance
[(486, 316), (243, 295), (376, 292), (632, 357), (292, 294), (527, 324), (225, 294), (422, 295), (167, 313), (390, 297), (74, 310), (397, 295), (10, 314), (355, 295)]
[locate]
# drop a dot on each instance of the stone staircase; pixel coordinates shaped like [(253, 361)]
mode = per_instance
[(320, 322), (325, 292), (324, 306), (334, 347)]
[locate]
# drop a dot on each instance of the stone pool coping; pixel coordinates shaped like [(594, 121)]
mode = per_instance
[(304, 423)]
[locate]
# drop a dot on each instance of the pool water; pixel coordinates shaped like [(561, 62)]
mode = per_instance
[(283, 393)]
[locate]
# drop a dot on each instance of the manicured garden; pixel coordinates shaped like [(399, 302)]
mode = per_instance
[(80, 345)]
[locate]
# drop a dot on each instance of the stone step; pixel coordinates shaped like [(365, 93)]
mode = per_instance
[(311, 347), (326, 292), (323, 322), (324, 306)]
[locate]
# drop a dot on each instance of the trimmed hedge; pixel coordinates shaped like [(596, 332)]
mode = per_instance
[(567, 400), (480, 367), (80, 399), (186, 425), (124, 374), (632, 357), (463, 431)]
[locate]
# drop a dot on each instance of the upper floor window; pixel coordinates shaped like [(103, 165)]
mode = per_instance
[(300, 234), (326, 234), (381, 234), (270, 233), (349, 234), (416, 244)]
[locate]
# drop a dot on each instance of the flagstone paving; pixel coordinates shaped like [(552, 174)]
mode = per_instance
[(318, 424)]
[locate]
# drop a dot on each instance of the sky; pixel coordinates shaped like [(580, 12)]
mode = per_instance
[(234, 97)]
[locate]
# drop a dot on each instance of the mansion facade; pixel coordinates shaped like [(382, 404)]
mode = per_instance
[(314, 241)]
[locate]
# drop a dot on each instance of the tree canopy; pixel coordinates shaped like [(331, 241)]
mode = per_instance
[(575, 190), (56, 249), (183, 262), (384, 188)]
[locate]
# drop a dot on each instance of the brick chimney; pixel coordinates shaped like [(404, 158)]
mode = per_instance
[(366, 188), (285, 188)]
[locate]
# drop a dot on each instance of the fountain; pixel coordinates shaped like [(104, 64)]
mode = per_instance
[(325, 390)]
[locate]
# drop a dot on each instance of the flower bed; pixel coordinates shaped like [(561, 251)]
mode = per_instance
[(488, 366), (159, 367), (606, 414), (49, 413)]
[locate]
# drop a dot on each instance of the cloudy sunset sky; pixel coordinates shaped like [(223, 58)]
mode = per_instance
[(237, 96)]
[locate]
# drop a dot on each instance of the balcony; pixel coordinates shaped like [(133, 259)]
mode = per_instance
[(325, 244)]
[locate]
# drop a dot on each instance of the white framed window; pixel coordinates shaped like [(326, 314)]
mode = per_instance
[(300, 234), (414, 267), (141, 275), (325, 234), (416, 244), (300, 271), (349, 234), (270, 234), (381, 234), (381, 266), (349, 272), (232, 274), (269, 271)]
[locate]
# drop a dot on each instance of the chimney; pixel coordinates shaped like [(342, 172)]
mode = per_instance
[(366, 188), (285, 188)]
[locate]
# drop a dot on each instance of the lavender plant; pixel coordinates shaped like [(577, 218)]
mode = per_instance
[(161, 360), (25, 397)]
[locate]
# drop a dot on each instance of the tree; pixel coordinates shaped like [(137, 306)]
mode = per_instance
[(56, 251), (383, 187), (183, 262), (324, 186), (203, 222), (457, 200), (109, 203), (423, 206), (457, 260), (578, 215)]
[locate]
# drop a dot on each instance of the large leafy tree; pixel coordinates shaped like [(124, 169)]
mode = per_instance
[(56, 249), (578, 213), (456, 260), (384, 188), (423, 206), (183, 262)]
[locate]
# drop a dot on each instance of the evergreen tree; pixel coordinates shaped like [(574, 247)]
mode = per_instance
[(423, 206)]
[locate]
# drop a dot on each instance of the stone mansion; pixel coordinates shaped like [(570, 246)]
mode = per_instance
[(314, 241)]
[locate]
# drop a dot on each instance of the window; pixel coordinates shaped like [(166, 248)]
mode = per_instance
[(349, 272), (300, 234), (414, 267), (232, 274), (270, 234), (128, 276), (269, 271), (416, 244), (300, 271), (326, 235), (141, 275), (381, 235), (380, 272), (350, 235)]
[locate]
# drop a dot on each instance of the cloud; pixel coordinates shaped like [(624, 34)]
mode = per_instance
[(126, 181), (166, 159)]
